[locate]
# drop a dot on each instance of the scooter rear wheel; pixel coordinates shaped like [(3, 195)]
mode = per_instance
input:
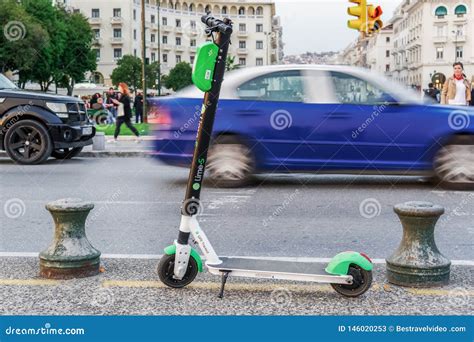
[(362, 280), (166, 272)]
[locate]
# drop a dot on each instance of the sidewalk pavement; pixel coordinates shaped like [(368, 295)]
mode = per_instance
[(126, 146)]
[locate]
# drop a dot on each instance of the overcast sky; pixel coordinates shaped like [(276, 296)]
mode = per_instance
[(320, 25)]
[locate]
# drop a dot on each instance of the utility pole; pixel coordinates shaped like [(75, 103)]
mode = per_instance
[(145, 114), (158, 2)]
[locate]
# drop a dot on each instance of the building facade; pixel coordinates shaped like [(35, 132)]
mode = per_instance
[(426, 38), (174, 30)]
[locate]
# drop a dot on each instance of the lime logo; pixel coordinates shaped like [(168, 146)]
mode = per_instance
[(196, 186), (210, 53)]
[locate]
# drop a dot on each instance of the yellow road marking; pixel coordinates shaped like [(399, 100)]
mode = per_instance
[(441, 292), (28, 282)]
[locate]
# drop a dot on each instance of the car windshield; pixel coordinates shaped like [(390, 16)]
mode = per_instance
[(5, 83)]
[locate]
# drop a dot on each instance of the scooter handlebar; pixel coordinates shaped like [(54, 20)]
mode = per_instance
[(216, 24)]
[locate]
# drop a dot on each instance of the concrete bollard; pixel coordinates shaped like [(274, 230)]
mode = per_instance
[(417, 262), (98, 142), (70, 255)]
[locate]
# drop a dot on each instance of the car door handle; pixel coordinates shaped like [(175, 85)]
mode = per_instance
[(249, 112)]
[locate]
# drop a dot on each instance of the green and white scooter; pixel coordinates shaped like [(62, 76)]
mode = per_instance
[(349, 273)]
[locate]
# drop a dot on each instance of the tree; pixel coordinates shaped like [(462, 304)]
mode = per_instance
[(179, 77), (230, 63), (21, 38), (128, 70), (152, 74)]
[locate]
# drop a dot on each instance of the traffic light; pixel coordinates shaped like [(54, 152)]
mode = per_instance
[(360, 12), (374, 23)]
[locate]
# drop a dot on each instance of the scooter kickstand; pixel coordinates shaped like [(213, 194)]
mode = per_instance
[(225, 275)]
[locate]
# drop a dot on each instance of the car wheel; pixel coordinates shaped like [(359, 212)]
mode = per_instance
[(454, 164), (66, 153), (28, 142), (230, 163)]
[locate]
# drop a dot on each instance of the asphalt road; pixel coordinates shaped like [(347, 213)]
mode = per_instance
[(137, 210), (137, 205)]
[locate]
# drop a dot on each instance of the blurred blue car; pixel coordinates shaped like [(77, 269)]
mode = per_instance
[(318, 119)]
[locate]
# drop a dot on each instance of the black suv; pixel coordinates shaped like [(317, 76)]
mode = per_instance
[(35, 126)]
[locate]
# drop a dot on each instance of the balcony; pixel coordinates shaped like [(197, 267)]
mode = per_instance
[(460, 19), (192, 49), (459, 39), (166, 47), (179, 48), (116, 40), (166, 28), (242, 51), (178, 30), (242, 34), (95, 21), (116, 20), (97, 41), (440, 39)]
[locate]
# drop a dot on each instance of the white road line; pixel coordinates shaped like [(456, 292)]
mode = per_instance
[(158, 256)]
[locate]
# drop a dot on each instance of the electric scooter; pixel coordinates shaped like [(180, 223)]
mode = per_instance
[(349, 273)]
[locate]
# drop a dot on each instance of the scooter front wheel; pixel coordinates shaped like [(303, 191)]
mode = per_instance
[(166, 272), (362, 280)]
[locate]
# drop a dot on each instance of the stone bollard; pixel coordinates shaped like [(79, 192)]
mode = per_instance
[(98, 141), (417, 262), (70, 255)]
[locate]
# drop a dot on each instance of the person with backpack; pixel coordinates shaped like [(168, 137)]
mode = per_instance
[(124, 111)]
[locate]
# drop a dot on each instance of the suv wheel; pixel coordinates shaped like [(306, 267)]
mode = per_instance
[(66, 153), (230, 163), (28, 142), (454, 164)]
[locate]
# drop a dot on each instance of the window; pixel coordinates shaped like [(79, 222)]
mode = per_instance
[(459, 30), (191, 59), (135, 52), (117, 53), (152, 19), (441, 12), (117, 12), (259, 62), (242, 44), (352, 90), (259, 10), (178, 41), (95, 13), (178, 59), (242, 27), (242, 11), (192, 42), (96, 33), (459, 52), (165, 58), (178, 22), (387, 67), (259, 45), (164, 39), (387, 53), (164, 21), (460, 11), (193, 24), (118, 33), (224, 10), (97, 54), (153, 56), (387, 40), (439, 53), (153, 38), (134, 14), (441, 30), (259, 27), (283, 86), (242, 61), (134, 34)]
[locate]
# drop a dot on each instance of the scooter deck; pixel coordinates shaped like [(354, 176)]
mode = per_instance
[(275, 269)]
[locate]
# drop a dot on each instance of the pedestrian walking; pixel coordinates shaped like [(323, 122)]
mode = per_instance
[(124, 112), (138, 106), (457, 89), (432, 93), (112, 106)]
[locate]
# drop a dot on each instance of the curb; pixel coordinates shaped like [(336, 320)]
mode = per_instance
[(105, 154)]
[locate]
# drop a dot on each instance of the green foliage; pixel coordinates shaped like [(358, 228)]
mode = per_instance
[(179, 77), (56, 47), (230, 63), (128, 70)]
